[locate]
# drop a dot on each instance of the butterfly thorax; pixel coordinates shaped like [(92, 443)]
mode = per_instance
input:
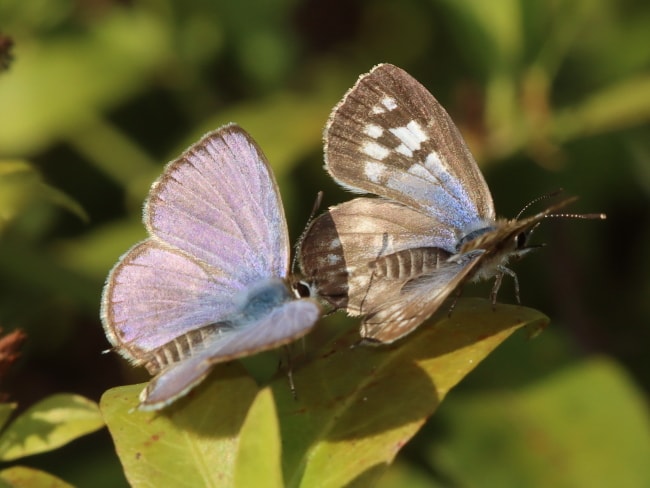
[(251, 305), (497, 244), (260, 299)]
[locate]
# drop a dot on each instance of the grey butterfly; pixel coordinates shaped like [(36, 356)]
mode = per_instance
[(395, 259)]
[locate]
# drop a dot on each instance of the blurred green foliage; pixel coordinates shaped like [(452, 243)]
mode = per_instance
[(97, 96)]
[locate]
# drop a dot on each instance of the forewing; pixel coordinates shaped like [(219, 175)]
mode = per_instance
[(339, 247), (155, 293), (291, 320), (220, 203), (389, 136)]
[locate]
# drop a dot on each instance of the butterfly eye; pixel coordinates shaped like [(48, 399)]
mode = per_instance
[(520, 240), (302, 289)]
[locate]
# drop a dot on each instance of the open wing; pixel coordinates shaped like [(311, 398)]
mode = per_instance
[(155, 293), (219, 202), (217, 227)]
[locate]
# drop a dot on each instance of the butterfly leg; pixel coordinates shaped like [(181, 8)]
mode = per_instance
[(495, 289), (292, 385), (454, 301), (384, 245), (503, 270)]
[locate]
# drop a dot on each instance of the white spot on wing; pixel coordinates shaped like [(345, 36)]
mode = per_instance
[(373, 131), (375, 151), (415, 128), (411, 135), (389, 103), (373, 171), (402, 149), (433, 161), (378, 109), (333, 259), (335, 243)]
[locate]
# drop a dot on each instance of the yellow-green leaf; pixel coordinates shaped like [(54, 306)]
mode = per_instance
[(358, 407), (355, 409), (259, 456), (24, 477), (49, 424), (192, 443)]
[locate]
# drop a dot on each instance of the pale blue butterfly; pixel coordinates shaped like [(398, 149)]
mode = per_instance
[(212, 282)]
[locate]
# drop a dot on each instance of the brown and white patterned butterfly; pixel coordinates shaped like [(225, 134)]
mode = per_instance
[(395, 259)]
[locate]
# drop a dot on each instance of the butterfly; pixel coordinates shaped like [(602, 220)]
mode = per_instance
[(211, 282), (394, 260)]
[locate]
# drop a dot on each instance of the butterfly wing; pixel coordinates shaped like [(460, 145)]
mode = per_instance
[(340, 248), (219, 202), (284, 324), (217, 226), (156, 292), (389, 136), (378, 259), (416, 301)]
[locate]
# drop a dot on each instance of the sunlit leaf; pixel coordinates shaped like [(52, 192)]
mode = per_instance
[(192, 443), (51, 423), (358, 407), (24, 477), (355, 407), (259, 456)]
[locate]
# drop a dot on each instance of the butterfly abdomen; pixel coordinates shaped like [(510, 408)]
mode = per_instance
[(409, 263), (182, 347)]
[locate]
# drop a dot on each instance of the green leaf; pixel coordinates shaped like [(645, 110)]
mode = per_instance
[(622, 105), (259, 456), (6, 409), (88, 73), (23, 477), (490, 34), (49, 424), (405, 474), (21, 185), (192, 443), (356, 408), (585, 426)]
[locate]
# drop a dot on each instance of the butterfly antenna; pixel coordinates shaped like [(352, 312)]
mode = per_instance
[(539, 199), (314, 209), (590, 216)]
